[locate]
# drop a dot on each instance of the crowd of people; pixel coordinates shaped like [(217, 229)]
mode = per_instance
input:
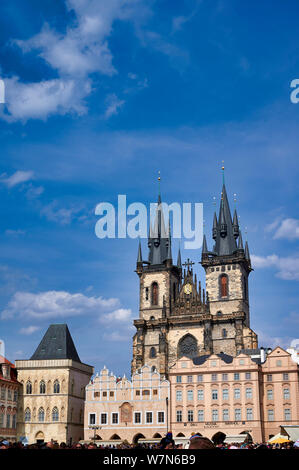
[(196, 441)]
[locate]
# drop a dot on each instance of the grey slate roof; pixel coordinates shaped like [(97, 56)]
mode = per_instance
[(225, 241), (198, 361), (57, 343)]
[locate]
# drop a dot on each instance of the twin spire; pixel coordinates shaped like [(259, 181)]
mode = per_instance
[(226, 234)]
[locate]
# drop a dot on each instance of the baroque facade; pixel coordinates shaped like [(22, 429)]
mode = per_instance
[(118, 409), (221, 396), (176, 316), (53, 380)]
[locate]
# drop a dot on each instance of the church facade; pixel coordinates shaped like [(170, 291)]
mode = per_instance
[(176, 316)]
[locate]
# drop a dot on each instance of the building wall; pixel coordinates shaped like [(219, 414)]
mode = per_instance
[(235, 301), (278, 373), (227, 424), (9, 393), (107, 394), (72, 377)]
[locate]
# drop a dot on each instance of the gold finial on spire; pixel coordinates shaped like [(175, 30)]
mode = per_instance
[(159, 177), (222, 168)]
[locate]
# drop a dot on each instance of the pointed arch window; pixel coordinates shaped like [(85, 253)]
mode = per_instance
[(154, 293), (42, 387), (27, 415), (29, 388), (223, 285), (55, 414), (56, 387), (41, 415)]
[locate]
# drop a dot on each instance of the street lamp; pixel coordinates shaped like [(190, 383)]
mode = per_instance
[(166, 415), (95, 428)]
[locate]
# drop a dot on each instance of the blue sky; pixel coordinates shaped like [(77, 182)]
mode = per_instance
[(99, 97)]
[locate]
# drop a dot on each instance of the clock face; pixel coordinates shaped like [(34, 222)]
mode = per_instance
[(188, 289)]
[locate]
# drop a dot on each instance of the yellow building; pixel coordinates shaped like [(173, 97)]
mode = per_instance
[(53, 382)]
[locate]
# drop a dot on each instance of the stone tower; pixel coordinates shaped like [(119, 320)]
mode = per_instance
[(159, 282), (227, 269), (176, 317)]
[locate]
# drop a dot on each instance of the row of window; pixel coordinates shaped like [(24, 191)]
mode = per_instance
[(9, 422), (7, 393), (287, 414), (226, 415), (214, 377), (41, 415), (214, 394), (224, 377), (148, 418), (285, 376), (138, 393), (215, 415), (225, 394), (42, 387)]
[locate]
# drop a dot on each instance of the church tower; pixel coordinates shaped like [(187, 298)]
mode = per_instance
[(227, 269), (159, 283), (177, 318)]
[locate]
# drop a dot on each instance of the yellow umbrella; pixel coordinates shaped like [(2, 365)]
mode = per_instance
[(279, 440)]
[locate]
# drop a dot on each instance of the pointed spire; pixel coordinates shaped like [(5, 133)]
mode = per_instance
[(222, 221), (235, 225), (169, 254), (240, 242), (179, 261), (158, 237), (204, 246), (247, 255), (139, 257), (215, 226)]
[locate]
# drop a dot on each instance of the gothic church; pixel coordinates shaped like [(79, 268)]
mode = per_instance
[(176, 316)]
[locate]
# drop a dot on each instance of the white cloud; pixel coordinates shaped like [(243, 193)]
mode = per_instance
[(113, 105), (82, 50), (17, 178), (63, 216), (29, 330), (41, 99), (34, 192), (119, 315), (55, 304), (288, 267), (268, 341), (289, 228)]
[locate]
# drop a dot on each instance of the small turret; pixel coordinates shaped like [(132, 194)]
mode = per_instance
[(222, 222), (240, 242), (215, 225), (235, 225)]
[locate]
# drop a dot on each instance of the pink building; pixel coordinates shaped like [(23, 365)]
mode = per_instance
[(221, 396)]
